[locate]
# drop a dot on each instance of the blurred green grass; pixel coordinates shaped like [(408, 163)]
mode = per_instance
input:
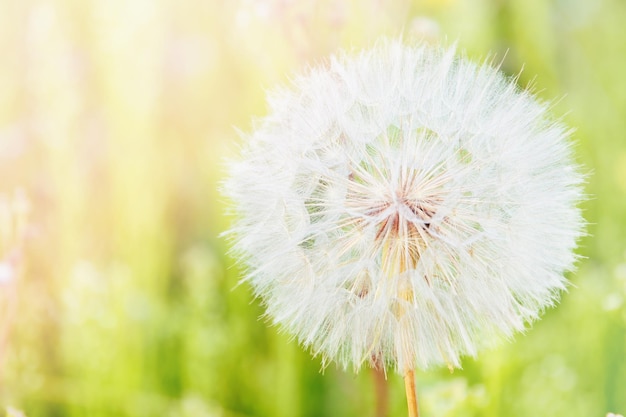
[(114, 119)]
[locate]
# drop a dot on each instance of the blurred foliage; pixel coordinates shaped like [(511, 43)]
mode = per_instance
[(116, 295)]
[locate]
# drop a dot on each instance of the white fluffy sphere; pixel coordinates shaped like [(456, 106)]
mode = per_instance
[(405, 206)]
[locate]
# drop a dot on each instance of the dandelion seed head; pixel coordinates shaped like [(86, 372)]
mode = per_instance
[(406, 205)]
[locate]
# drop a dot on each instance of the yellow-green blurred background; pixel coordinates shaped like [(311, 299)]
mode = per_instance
[(117, 297)]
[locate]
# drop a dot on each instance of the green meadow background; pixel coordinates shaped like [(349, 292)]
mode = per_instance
[(117, 296)]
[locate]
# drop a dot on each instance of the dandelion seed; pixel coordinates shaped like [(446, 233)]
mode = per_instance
[(405, 207)]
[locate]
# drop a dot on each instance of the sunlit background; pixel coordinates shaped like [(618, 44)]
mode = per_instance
[(117, 297)]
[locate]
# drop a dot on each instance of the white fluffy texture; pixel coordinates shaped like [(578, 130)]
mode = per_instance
[(405, 206)]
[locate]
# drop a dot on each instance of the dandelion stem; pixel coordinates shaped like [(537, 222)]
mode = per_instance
[(411, 396), (382, 391)]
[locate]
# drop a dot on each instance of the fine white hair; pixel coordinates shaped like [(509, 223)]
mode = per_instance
[(405, 206)]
